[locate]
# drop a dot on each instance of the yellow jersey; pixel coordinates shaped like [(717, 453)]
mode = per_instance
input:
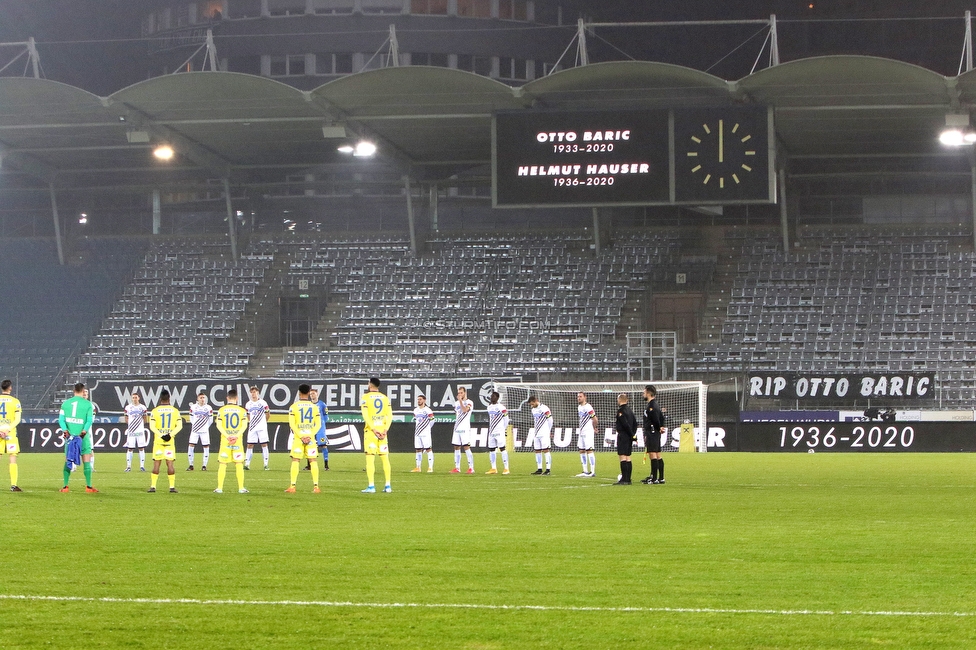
[(10, 412), (304, 419), (377, 412), (232, 425), (164, 420)]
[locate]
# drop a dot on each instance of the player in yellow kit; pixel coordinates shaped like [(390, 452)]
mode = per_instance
[(232, 425), (9, 419), (165, 422), (377, 418), (305, 421)]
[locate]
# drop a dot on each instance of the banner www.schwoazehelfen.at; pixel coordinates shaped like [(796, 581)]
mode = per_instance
[(340, 395)]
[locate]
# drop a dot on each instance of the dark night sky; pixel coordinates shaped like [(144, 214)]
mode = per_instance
[(85, 64)]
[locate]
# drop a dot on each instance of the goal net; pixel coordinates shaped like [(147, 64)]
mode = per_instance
[(683, 402)]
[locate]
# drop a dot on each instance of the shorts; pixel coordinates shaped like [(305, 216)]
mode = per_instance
[(86, 444), (322, 440), (164, 452), (10, 446), (625, 445), (586, 440), (497, 440), (300, 450), (542, 440), (652, 443), (140, 440), (462, 438), (228, 455), (258, 436), (200, 437), (375, 447), (422, 441)]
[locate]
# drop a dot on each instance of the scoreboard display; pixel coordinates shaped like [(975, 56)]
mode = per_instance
[(632, 157)]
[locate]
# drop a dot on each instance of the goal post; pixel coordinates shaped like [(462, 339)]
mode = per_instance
[(683, 402)]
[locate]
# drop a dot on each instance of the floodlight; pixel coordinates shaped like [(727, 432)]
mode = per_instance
[(364, 149), (164, 152), (346, 148)]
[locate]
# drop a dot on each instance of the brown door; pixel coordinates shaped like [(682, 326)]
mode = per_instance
[(678, 312)]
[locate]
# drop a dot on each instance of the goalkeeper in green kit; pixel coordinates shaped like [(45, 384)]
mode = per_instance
[(76, 421)]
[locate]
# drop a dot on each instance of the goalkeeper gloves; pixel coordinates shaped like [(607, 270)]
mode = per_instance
[(166, 437)]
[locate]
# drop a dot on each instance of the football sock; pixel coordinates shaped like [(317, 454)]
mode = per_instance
[(172, 480), (206, 456), (325, 454), (538, 460), (221, 475), (470, 455), (583, 461), (370, 470), (629, 467), (505, 459), (387, 470), (592, 457), (128, 458), (189, 456), (315, 473), (660, 469), (142, 458), (457, 459), (654, 465), (247, 460), (491, 457), (239, 468), (67, 474), (623, 470), (87, 467), (548, 460), (430, 459), (13, 474), (294, 473), (266, 455), (152, 479), (420, 456)]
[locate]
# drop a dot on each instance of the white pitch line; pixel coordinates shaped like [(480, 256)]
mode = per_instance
[(538, 608)]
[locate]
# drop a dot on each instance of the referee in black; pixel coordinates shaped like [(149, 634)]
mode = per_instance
[(653, 425), (626, 429)]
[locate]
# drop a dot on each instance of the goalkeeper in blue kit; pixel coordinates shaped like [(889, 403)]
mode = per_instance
[(321, 439)]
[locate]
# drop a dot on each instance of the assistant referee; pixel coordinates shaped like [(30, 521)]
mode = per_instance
[(653, 428), (626, 428)]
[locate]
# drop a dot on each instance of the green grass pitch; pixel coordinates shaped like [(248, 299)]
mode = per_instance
[(763, 539)]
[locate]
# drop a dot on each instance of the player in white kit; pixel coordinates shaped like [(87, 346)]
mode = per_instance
[(136, 419), (423, 422), (462, 431), (497, 430), (587, 429), (542, 435), (257, 427), (201, 417)]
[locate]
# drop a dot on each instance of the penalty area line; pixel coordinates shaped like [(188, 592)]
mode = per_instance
[(539, 608)]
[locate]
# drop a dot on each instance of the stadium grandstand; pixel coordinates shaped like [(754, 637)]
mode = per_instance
[(268, 243)]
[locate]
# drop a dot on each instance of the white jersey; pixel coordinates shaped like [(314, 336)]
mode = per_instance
[(497, 420), (423, 421), (542, 417), (257, 416), (462, 419), (201, 417), (135, 413), (586, 415)]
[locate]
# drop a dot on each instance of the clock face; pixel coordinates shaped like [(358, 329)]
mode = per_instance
[(722, 155)]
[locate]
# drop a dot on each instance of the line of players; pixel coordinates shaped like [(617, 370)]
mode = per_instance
[(165, 421), (498, 421)]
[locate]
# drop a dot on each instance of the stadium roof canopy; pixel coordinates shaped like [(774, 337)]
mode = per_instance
[(435, 122)]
